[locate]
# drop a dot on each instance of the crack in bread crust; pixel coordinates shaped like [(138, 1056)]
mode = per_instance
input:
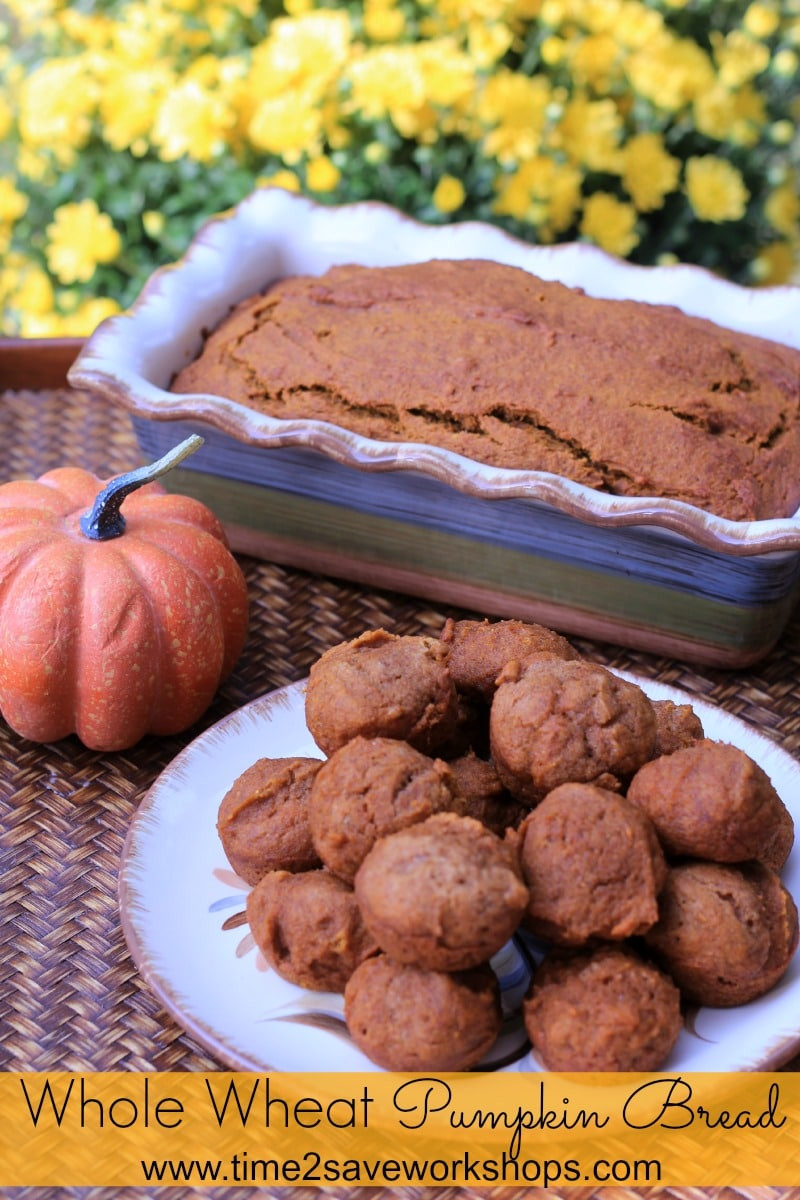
[(513, 371)]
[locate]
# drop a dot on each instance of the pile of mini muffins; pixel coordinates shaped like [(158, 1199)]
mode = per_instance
[(488, 781)]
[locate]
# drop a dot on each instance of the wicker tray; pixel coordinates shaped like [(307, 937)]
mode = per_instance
[(70, 997)]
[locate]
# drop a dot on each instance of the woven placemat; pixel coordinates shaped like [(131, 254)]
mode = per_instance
[(70, 997)]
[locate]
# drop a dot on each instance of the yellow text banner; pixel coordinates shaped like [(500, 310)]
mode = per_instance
[(376, 1129)]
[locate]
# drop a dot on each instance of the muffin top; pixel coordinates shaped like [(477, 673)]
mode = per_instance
[(445, 893)]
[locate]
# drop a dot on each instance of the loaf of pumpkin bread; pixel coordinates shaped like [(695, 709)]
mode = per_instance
[(489, 361)]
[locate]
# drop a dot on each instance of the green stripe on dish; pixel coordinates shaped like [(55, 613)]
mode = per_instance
[(336, 528)]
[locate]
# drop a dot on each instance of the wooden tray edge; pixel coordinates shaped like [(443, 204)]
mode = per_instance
[(36, 364)]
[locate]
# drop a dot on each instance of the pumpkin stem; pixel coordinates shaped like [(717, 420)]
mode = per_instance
[(105, 520)]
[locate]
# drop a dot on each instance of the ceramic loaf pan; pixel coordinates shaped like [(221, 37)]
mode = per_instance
[(655, 574)]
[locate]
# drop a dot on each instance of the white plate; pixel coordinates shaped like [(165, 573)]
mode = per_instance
[(181, 909)]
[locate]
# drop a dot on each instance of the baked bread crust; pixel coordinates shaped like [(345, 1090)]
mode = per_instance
[(726, 931), (263, 818), (406, 1018), (711, 801), (593, 866), (444, 894), (601, 1010), (489, 361)]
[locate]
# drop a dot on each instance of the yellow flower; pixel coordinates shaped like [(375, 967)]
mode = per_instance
[(42, 325), (523, 10), (670, 72), (376, 152), (220, 18), (541, 191), (513, 107), (406, 81), (649, 173), (609, 223), (487, 43), (448, 73), (191, 121), (455, 15), (36, 165), (322, 175), (553, 12), (635, 25), (33, 290), (88, 315), (594, 62), (775, 264), (553, 50), (782, 209), (288, 125), (785, 63), (6, 118), (782, 132), (738, 57), (153, 223), (90, 30), (130, 102), (57, 102), (78, 323), (13, 203), (283, 179), (715, 189), (735, 116), (337, 135), (148, 33), (305, 50), (80, 237), (449, 194), (383, 77), (761, 20), (590, 132), (418, 124), (596, 16), (383, 22)]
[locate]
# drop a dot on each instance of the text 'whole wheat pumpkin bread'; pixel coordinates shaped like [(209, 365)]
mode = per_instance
[(510, 370)]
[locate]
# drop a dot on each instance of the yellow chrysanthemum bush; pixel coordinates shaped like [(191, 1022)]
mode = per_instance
[(660, 130)]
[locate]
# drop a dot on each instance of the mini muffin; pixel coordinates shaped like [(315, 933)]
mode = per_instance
[(444, 894), (309, 928), (367, 788), (712, 801), (479, 793), (405, 1018), (677, 726), (263, 818), (726, 932), (601, 1010), (593, 866), (567, 722), (480, 649), (382, 685)]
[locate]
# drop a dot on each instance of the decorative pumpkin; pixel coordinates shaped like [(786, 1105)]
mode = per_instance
[(113, 626)]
